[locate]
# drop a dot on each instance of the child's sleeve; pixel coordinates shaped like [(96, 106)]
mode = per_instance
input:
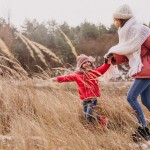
[(67, 78), (101, 70)]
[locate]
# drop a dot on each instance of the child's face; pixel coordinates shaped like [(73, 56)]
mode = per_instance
[(117, 23), (86, 65)]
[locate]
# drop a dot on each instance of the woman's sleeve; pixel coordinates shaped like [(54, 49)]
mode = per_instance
[(147, 43), (67, 78), (119, 59)]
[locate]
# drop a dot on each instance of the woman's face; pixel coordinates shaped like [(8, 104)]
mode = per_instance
[(117, 23), (87, 65)]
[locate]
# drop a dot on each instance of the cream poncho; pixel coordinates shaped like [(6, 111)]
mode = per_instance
[(131, 36)]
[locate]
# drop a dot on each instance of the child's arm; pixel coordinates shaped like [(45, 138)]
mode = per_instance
[(67, 78), (101, 70)]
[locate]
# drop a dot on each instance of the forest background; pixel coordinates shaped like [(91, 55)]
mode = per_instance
[(87, 38), (43, 115)]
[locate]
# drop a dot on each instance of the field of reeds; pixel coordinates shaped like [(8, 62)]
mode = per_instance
[(10, 67), (39, 114)]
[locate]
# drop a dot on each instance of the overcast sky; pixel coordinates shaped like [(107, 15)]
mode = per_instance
[(72, 11)]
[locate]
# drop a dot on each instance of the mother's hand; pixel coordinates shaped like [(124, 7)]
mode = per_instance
[(109, 59)]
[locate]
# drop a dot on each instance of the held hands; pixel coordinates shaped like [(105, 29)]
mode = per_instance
[(109, 59)]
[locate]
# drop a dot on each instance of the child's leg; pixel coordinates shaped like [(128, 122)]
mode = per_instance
[(101, 119), (88, 109), (94, 102), (89, 112), (84, 106), (90, 106)]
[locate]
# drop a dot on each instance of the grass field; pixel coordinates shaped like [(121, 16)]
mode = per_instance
[(36, 114)]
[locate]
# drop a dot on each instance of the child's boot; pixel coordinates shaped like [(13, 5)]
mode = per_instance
[(103, 121)]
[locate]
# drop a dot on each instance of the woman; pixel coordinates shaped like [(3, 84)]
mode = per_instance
[(134, 48)]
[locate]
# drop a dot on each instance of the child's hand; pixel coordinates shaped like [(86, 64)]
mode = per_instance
[(54, 79), (109, 61), (108, 58)]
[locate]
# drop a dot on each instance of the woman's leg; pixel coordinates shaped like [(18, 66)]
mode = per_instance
[(145, 97), (136, 89)]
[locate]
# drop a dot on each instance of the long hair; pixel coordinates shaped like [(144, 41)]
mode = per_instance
[(122, 22)]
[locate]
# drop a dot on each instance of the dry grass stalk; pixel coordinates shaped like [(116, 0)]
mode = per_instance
[(40, 76), (63, 69), (8, 72), (56, 116), (48, 51), (69, 43), (27, 45), (37, 51), (31, 47), (43, 73), (16, 65), (13, 68), (4, 49)]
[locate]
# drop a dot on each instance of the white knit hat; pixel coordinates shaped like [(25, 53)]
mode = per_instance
[(123, 12)]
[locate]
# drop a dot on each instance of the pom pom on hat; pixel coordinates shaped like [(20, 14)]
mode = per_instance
[(123, 12)]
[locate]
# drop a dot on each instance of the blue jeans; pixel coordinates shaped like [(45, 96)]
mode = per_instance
[(88, 108), (140, 87)]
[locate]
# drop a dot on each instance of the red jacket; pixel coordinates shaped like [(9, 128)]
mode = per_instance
[(145, 57), (87, 82)]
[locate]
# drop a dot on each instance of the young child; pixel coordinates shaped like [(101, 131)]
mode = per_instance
[(86, 78)]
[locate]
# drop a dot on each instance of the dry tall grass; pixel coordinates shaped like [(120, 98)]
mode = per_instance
[(27, 45), (4, 49), (12, 69), (9, 66), (36, 50), (48, 51), (50, 117), (69, 43)]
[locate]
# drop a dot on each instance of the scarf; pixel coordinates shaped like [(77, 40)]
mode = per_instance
[(131, 36)]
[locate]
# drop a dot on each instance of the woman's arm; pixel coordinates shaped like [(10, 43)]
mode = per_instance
[(147, 43), (119, 59)]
